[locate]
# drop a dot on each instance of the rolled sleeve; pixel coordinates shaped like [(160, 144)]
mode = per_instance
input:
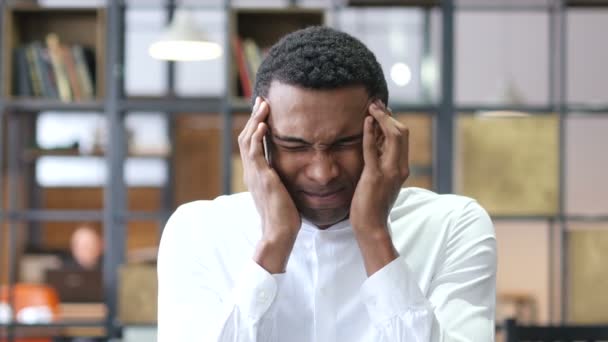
[(391, 292), (256, 291)]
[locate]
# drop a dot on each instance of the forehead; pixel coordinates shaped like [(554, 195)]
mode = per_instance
[(316, 114)]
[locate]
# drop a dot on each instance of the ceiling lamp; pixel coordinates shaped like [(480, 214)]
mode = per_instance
[(183, 41)]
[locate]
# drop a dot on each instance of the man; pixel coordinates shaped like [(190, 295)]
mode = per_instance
[(326, 246), (87, 248)]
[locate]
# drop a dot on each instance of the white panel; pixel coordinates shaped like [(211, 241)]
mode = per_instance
[(204, 78), (144, 76), (501, 58), (587, 56)]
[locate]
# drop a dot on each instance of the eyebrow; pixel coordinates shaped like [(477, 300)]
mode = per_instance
[(290, 139)]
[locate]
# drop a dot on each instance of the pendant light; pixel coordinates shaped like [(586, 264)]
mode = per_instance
[(183, 41)]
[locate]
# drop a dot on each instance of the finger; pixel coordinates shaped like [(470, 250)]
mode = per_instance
[(253, 111), (393, 151), (392, 144), (379, 112), (256, 149), (404, 164), (370, 149), (258, 116)]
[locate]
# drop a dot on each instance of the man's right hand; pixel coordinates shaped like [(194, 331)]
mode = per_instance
[(280, 218)]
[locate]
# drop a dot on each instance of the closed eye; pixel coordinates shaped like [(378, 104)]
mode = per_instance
[(346, 145), (348, 142), (293, 148)]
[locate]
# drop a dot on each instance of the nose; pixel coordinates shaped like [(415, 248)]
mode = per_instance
[(323, 168)]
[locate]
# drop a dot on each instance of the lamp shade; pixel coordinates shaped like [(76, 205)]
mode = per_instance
[(183, 41)]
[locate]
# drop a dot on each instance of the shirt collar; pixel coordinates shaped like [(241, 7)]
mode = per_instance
[(309, 226)]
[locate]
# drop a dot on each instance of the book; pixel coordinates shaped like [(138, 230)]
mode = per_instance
[(243, 71), (70, 68), (33, 72), (57, 66), (42, 65), (253, 56), (21, 79), (54, 70), (85, 75), (49, 81)]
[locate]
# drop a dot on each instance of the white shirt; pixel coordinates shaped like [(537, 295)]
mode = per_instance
[(441, 288)]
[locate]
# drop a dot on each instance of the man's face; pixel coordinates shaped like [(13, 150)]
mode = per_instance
[(316, 147)]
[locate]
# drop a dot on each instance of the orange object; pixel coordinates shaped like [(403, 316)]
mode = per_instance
[(28, 296)]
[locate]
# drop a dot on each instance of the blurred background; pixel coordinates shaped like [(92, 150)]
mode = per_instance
[(108, 125)]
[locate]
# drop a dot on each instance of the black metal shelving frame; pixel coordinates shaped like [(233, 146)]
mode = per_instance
[(115, 105)]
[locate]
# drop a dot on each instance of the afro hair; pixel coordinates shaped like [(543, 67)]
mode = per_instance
[(320, 57)]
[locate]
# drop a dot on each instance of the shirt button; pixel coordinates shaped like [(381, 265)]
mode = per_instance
[(262, 295)]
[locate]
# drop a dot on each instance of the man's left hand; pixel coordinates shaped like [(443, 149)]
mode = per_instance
[(385, 154)]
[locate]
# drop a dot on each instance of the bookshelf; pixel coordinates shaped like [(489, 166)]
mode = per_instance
[(255, 30), (81, 28)]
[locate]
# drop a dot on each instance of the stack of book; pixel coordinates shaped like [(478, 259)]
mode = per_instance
[(248, 57), (54, 70)]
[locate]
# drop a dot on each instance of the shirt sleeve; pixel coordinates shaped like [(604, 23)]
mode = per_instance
[(460, 303), (190, 305)]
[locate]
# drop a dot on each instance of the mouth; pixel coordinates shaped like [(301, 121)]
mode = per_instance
[(324, 198)]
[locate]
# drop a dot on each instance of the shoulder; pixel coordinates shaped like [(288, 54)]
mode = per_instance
[(447, 211), (198, 222), (206, 212), (421, 199)]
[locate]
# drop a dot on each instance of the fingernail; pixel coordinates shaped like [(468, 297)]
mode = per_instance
[(256, 104), (259, 109), (379, 104)]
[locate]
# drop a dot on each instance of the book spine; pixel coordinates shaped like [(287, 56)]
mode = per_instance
[(46, 72), (242, 68), (253, 57), (42, 69), (85, 79), (34, 72), (22, 83), (57, 66), (70, 68)]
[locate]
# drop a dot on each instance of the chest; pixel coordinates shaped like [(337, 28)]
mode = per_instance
[(319, 297)]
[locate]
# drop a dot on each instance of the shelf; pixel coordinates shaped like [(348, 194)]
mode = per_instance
[(56, 329), (473, 108), (65, 324), (38, 105), (393, 3), (145, 215), (80, 215), (587, 3), (33, 154), (596, 109), (53, 215), (503, 7), (242, 105), (173, 105)]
